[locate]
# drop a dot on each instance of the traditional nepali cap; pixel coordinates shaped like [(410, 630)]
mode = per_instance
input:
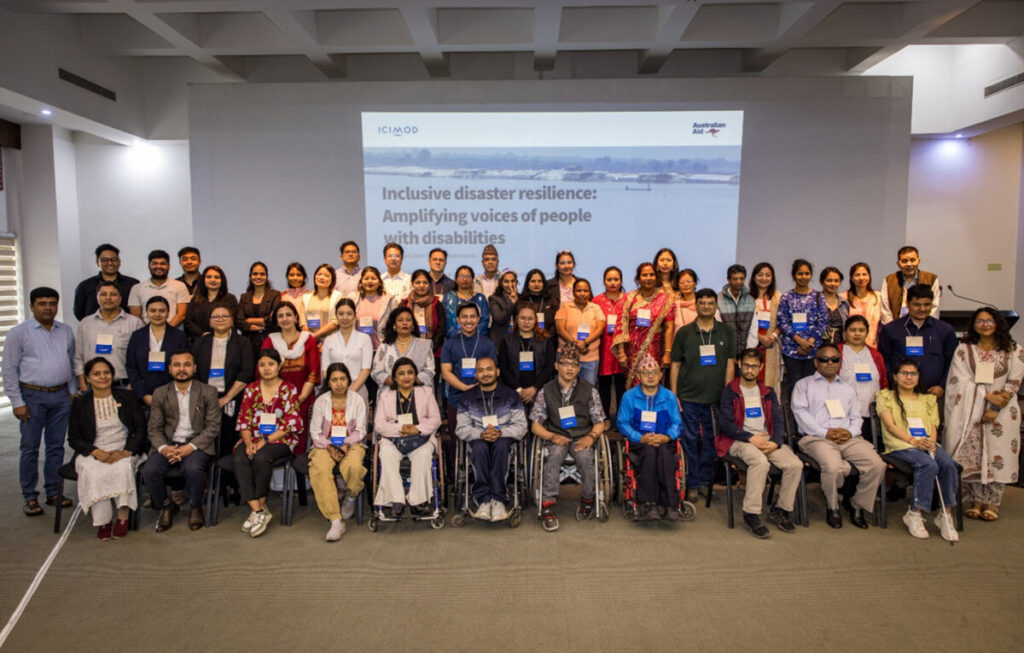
[(648, 362), (568, 353), (490, 249)]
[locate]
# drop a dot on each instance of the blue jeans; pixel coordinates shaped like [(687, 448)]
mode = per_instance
[(48, 423), (588, 372), (926, 469), (698, 438)]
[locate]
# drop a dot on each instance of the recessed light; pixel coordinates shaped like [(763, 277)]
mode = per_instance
[(46, 112), (959, 135)]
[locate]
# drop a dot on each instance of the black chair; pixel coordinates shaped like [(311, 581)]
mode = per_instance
[(877, 515), (67, 472), (225, 464), (209, 496), (301, 467), (906, 472), (731, 463)]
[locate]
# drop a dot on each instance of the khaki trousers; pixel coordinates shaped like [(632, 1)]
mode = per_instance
[(321, 478), (758, 466), (835, 461)]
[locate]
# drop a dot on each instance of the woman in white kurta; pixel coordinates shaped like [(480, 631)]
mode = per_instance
[(347, 345), (107, 430), (982, 415)]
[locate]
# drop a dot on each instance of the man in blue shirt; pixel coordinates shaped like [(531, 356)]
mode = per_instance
[(491, 420), (649, 418), (37, 369), (827, 413), (917, 335)]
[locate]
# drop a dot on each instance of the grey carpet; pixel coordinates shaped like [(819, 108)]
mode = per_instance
[(587, 587)]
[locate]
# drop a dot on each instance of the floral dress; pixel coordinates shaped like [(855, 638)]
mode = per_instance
[(284, 406)]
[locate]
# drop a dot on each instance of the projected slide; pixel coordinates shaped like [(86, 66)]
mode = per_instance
[(612, 187)]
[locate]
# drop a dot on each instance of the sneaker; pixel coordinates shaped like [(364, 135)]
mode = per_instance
[(944, 521), (336, 531), (483, 511), (915, 524), (120, 529), (586, 509), (103, 532), (260, 523), (550, 520), (348, 508), (249, 521), (780, 518), (672, 513), (755, 525), (651, 512), (498, 511)]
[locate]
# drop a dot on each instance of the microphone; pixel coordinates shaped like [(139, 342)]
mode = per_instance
[(970, 299)]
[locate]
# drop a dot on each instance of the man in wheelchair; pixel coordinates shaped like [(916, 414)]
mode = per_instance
[(491, 419)]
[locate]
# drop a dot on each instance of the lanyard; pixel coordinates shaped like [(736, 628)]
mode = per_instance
[(650, 401), (488, 405), (404, 405), (524, 344), (476, 341), (701, 332)]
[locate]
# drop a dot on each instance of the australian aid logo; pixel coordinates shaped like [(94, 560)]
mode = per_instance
[(710, 128)]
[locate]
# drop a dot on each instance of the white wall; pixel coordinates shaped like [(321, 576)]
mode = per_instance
[(277, 169), (963, 213)]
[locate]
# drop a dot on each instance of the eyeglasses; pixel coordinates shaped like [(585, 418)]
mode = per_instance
[(651, 372), (219, 317), (569, 364), (985, 322), (908, 373), (749, 366), (109, 259), (828, 359)]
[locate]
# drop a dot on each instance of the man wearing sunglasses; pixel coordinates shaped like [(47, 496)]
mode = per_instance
[(827, 414)]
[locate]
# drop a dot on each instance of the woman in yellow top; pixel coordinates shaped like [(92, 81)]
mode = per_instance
[(910, 421), (581, 321)]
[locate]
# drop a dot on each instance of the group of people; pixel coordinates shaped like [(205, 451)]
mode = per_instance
[(276, 374)]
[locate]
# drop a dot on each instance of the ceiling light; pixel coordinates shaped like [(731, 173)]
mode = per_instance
[(46, 112)]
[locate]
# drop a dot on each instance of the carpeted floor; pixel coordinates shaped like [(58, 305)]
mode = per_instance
[(598, 587)]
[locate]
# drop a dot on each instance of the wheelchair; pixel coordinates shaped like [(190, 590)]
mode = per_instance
[(437, 516), (515, 481), (570, 472), (627, 483)]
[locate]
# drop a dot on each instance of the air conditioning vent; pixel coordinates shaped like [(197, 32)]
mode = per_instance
[(1009, 82), (82, 82)]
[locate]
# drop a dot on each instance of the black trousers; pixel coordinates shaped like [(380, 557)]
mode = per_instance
[(655, 473), (254, 474), (604, 390), (193, 468)]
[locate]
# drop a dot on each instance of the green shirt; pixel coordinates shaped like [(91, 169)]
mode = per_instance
[(697, 383)]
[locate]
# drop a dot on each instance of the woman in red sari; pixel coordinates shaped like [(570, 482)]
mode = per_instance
[(300, 362), (645, 324)]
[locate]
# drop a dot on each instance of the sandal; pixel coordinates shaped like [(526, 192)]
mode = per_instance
[(974, 512), (32, 508), (52, 501), (990, 514)]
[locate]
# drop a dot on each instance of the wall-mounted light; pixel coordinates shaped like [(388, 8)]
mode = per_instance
[(46, 112)]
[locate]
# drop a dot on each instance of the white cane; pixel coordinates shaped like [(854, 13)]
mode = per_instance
[(942, 502)]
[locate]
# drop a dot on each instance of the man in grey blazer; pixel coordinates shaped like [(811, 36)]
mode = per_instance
[(190, 443)]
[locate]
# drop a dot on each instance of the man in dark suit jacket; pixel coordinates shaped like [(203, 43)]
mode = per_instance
[(190, 443)]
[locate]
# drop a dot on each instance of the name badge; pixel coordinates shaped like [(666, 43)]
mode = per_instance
[(764, 320), (648, 421), (540, 321), (490, 420), (366, 325), (104, 343), (985, 372), (313, 323), (799, 321), (526, 361), (612, 321), (582, 332), (423, 329), (338, 434), (862, 371), (752, 407), (835, 408), (439, 296), (268, 423), (643, 317), (468, 368), (404, 419), (157, 361), (216, 372), (915, 346), (707, 355), (916, 427), (567, 417)]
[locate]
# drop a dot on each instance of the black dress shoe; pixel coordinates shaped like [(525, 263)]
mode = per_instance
[(857, 518), (834, 518), (755, 525)]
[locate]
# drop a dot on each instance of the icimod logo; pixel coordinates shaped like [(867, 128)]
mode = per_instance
[(398, 130)]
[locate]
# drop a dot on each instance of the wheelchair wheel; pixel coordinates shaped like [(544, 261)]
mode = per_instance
[(620, 471), (515, 518), (687, 511), (536, 482), (458, 520), (602, 513), (604, 470), (373, 523), (629, 510), (437, 523)]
